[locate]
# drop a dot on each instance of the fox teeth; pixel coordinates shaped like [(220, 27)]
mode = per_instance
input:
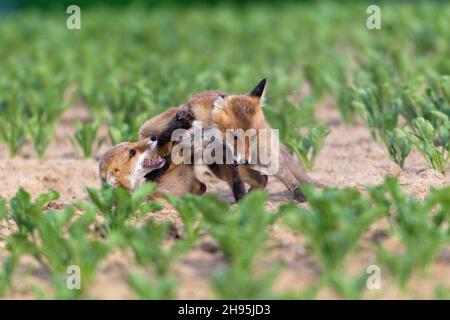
[(151, 163)]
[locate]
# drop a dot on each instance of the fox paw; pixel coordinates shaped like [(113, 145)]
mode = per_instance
[(185, 118), (299, 195)]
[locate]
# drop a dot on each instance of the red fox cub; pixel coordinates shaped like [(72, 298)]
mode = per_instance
[(130, 164), (228, 111), (161, 127)]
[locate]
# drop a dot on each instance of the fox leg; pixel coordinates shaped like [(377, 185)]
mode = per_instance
[(254, 178), (237, 185), (231, 175), (182, 120)]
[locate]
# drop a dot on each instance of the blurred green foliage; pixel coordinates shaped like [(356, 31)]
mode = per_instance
[(129, 64), (85, 233)]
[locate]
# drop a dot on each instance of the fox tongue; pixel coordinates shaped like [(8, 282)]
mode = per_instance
[(153, 163)]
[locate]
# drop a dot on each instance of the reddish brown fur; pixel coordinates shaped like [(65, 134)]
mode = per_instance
[(116, 167), (203, 102), (169, 182), (245, 112), (116, 164), (239, 112), (154, 126)]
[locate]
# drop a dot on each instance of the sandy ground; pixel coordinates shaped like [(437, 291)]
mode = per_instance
[(349, 159)]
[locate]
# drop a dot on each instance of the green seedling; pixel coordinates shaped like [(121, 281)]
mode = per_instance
[(431, 107), (424, 136), (192, 220), (231, 283), (13, 133), (59, 252), (421, 236), (378, 106), (41, 135), (85, 136), (118, 206), (146, 243), (289, 117), (6, 274), (350, 288), (25, 213), (119, 131), (399, 146), (161, 289), (55, 239), (245, 223), (333, 224), (130, 105), (134, 97), (346, 95), (413, 103), (288, 120), (308, 147), (231, 227), (84, 252)]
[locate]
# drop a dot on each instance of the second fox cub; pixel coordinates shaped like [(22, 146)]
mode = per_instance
[(130, 164), (228, 111)]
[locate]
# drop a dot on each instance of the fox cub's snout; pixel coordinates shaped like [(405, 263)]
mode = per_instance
[(127, 164)]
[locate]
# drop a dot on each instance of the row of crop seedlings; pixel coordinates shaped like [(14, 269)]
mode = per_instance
[(115, 220), (407, 116), (125, 79)]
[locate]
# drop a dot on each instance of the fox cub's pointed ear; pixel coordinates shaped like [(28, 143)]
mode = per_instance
[(260, 90)]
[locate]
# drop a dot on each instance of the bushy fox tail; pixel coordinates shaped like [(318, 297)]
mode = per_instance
[(298, 172), (303, 177)]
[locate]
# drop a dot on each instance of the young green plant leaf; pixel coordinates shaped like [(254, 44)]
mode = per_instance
[(399, 146), (85, 135)]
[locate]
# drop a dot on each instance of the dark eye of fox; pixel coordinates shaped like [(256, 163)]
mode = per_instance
[(132, 153), (153, 138)]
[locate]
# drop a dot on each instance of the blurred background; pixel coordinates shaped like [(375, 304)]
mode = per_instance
[(132, 59)]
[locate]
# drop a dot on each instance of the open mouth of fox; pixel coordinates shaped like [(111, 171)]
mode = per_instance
[(154, 163), (150, 167)]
